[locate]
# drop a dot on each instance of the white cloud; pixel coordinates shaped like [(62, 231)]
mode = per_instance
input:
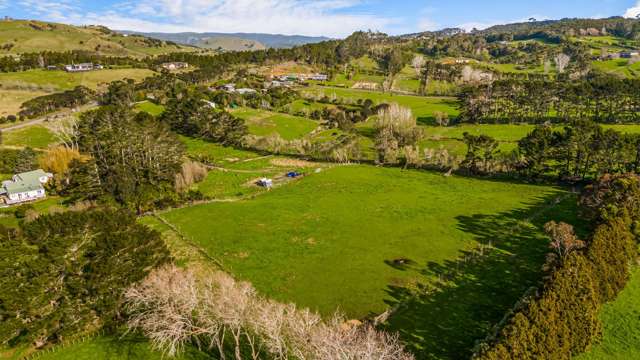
[(306, 17), (633, 11)]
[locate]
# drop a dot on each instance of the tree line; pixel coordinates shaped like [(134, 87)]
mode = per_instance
[(604, 99), (561, 318)]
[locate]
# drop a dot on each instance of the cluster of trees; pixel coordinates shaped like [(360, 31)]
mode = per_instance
[(559, 29), (176, 308), (191, 115), (41, 105), (562, 318), (134, 158), (65, 274), (396, 131), (15, 161), (578, 151), (602, 98)]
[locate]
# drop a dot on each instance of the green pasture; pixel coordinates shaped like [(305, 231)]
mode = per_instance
[(263, 123), (62, 80), (36, 136), (423, 107), (619, 67), (8, 218), (150, 108), (621, 322), (361, 238), (128, 347)]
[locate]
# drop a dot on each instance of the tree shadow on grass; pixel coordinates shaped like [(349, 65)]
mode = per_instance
[(463, 300)]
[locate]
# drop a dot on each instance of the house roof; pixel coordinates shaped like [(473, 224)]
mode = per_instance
[(23, 182)]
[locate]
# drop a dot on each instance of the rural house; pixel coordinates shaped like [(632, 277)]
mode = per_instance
[(175, 65), (78, 67), (24, 187)]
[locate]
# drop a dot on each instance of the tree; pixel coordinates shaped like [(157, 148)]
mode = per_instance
[(176, 307), (562, 60), (136, 162), (563, 242), (395, 128), (417, 63), (481, 150), (64, 274)]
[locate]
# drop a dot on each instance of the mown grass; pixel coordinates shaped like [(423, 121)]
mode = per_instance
[(328, 241), (423, 107), (149, 107), (36, 136), (621, 320), (62, 80), (8, 218), (263, 123)]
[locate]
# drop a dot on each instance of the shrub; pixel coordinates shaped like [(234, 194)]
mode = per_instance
[(21, 211)]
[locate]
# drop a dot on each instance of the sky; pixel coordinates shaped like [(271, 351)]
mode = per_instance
[(333, 18)]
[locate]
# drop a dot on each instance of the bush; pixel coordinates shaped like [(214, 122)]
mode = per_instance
[(21, 211)]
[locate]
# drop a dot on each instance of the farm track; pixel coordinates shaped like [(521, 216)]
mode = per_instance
[(49, 117)]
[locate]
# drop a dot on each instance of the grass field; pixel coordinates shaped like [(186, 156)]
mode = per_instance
[(360, 238), (263, 123), (621, 320), (37, 137), (619, 67), (8, 218), (13, 99), (423, 107), (115, 348), (149, 107), (62, 80)]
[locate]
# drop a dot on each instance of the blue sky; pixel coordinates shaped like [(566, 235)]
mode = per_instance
[(334, 18)]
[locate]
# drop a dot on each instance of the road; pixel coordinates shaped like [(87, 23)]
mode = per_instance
[(51, 116)]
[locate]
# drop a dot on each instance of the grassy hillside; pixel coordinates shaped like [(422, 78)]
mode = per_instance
[(22, 36), (230, 43), (60, 80)]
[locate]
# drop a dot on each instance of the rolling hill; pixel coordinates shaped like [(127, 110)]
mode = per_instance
[(234, 41), (24, 36)]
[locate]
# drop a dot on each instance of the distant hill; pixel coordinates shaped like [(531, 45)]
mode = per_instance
[(24, 36), (235, 41)]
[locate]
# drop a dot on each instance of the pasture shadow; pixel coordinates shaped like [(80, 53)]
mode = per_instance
[(462, 300)]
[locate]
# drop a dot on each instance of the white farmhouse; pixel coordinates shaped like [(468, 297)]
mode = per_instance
[(24, 187)]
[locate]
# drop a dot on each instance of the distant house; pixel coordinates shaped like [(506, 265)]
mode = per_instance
[(24, 187), (175, 65), (319, 77), (244, 91), (78, 67)]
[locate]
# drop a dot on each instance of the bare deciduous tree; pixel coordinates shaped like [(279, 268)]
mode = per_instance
[(66, 131), (562, 61), (174, 307), (417, 63)]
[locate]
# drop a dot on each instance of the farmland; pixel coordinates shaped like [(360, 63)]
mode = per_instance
[(296, 245), (60, 80), (264, 123)]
